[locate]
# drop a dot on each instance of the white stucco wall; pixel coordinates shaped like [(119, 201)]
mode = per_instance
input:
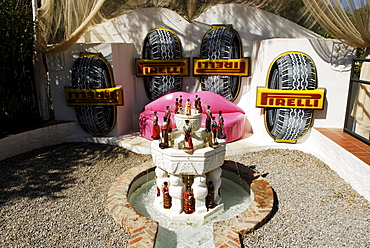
[(251, 23), (120, 56), (264, 36)]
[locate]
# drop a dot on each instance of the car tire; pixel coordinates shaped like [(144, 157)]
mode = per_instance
[(291, 71), (161, 44), (92, 71), (221, 43)]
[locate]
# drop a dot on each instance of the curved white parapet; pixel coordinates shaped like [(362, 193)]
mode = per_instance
[(178, 162), (37, 138)]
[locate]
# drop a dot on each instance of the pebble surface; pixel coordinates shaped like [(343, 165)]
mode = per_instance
[(56, 197), (314, 206)]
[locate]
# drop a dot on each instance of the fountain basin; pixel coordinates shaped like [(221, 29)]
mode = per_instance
[(144, 231), (190, 219), (195, 120)]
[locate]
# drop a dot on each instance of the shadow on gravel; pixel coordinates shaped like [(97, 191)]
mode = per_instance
[(47, 172), (275, 208)]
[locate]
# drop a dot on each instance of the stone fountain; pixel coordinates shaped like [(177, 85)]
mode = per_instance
[(196, 172), (185, 188)]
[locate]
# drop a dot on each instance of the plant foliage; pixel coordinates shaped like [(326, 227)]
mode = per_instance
[(18, 101)]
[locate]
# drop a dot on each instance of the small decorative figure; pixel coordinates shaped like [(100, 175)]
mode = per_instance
[(158, 192), (164, 143), (196, 102), (188, 142), (156, 129), (166, 196), (210, 199), (199, 107), (221, 134), (168, 116), (168, 112), (188, 107), (214, 131), (176, 106), (209, 125), (209, 119), (181, 111), (189, 201)]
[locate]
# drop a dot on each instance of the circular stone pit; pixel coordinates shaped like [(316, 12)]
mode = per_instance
[(227, 233)]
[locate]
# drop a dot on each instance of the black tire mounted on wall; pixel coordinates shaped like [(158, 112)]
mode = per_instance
[(161, 44), (92, 71), (290, 71), (221, 43)]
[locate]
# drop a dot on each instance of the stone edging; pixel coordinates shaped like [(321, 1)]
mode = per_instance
[(143, 230), (227, 233)]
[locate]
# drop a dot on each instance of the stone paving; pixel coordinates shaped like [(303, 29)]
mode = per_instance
[(143, 230), (227, 233)]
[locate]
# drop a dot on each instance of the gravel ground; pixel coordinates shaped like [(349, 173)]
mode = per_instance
[(315, 207), (55, 197)]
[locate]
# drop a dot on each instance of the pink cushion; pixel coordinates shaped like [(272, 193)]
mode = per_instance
[(234, 117)]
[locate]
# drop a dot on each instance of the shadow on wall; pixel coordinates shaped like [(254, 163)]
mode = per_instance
[(254, 24), (251, 23)]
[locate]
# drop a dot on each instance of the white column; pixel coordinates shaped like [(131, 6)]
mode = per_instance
[(215, 177), (200, 192), (162, 177), (176, 192)]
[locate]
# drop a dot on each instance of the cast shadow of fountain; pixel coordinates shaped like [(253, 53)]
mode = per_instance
[(167, 236), (249, 175)]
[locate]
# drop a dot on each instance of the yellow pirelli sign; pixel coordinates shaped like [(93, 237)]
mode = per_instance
[(230, 67), (310, 99), (156, 67), (106, 96)]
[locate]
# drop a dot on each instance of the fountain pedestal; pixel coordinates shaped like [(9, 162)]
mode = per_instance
[(178, 162), (179, 170)]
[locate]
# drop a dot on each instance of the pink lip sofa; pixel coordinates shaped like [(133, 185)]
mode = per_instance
[(234, 118)]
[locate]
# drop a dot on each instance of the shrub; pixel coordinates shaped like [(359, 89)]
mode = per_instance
[(18, 101)]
